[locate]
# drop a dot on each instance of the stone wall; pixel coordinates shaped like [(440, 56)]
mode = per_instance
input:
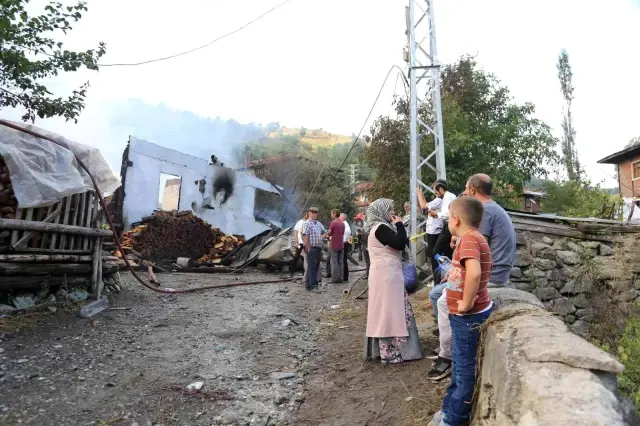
[(535, 372), (573, 277)]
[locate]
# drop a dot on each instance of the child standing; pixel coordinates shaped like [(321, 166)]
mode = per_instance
[(469, 306)]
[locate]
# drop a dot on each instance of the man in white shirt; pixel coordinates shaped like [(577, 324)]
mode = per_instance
[(438, 235), (297, 244), (443, 244), (347, 246)]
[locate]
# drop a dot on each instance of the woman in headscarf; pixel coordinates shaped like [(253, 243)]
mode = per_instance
[(392, 335)]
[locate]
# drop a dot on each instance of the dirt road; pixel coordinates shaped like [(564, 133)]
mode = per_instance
[(267, 354)]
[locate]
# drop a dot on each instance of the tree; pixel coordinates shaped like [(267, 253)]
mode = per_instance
[(23, 40), (633, 142), (570, 155), (484, 132)]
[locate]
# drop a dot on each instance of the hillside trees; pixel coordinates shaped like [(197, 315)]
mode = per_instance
[(29, 54), (485, 131), (309, 175), (568, 145)]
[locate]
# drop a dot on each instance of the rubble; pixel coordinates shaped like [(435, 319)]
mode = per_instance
[(224, 244)]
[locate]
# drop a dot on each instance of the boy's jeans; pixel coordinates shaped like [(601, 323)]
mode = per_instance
[(466, 337), (444, 327)]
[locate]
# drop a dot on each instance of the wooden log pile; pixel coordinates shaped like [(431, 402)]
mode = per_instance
[(8, 202), (169, 235), (222, 246)]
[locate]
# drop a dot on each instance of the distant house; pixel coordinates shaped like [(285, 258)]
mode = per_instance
[(362, 198), (627, 163), (531, 201)]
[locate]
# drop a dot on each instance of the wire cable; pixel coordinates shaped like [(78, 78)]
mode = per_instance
[(355, 142), (177, 55)]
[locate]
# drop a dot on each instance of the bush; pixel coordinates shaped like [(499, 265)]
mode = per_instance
[(629, 355), (576, 199)]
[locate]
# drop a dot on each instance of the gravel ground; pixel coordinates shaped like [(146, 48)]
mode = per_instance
[(265, 354)]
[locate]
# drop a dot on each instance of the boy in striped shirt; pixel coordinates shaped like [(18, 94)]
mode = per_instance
[(469, 305)]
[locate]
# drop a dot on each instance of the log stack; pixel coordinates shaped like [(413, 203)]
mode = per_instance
[(169, 235), (8, 202), (223, 245)]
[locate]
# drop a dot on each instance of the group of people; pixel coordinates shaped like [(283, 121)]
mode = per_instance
[(309, 236), (472, 231), (477, 235)]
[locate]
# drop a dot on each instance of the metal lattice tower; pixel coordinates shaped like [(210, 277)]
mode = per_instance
[(424, 80)]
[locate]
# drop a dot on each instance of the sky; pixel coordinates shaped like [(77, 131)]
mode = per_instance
[(321, 64)]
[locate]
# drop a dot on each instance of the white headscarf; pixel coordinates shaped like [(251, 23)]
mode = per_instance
[(378, 212)]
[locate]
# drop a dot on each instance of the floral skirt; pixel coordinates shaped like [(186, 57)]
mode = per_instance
[(395, 350)]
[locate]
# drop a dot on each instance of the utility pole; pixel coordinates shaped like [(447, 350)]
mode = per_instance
[(354, 168), (424, 79)]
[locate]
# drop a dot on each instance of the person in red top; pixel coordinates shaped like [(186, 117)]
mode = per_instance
[(336, 247), (469, 306)]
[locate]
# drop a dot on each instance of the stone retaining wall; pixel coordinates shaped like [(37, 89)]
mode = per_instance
[(536, 372), (571, 277)]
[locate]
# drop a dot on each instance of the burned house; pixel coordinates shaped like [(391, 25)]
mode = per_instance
[(156, 177)]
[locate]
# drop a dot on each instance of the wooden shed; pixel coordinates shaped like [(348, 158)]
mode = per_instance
[(52, 245)]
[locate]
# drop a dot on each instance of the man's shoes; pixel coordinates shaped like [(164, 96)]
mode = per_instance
[(434, 355), (440, 370)]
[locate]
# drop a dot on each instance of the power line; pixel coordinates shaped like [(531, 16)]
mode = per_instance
[(361, 129), (165, 58)]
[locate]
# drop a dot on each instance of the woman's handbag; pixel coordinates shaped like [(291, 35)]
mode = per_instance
[(410, 277)]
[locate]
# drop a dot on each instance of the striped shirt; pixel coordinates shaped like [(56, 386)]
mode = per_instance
[(472, 245), (314, 230)]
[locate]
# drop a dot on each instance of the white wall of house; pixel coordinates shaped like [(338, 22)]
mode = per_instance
[(142, 187)]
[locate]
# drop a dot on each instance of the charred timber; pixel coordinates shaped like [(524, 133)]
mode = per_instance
[(30, 225), (53, 269)]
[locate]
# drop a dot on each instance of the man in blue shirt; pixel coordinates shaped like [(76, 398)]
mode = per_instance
[(496, 227)]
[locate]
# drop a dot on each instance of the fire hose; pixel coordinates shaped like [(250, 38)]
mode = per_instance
[(113, 228)]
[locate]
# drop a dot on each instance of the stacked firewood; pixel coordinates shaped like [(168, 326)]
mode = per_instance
[(170, 235), (223, 245), (8, 202)]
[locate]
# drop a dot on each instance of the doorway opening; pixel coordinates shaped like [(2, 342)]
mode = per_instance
[(169, 192)]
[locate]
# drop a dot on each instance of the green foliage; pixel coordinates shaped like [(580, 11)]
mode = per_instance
[(484, 132), (629, 355), (579, 199), (23, 38)]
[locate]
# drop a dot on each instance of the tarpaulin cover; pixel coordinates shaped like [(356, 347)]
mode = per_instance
[(43, 173)]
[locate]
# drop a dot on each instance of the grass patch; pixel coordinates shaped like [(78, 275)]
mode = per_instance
[(14, 323), (342, 316), (421, 305)]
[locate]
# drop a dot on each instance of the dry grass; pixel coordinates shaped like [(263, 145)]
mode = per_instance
[(341, 316), (313, 137), (421, 304)]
